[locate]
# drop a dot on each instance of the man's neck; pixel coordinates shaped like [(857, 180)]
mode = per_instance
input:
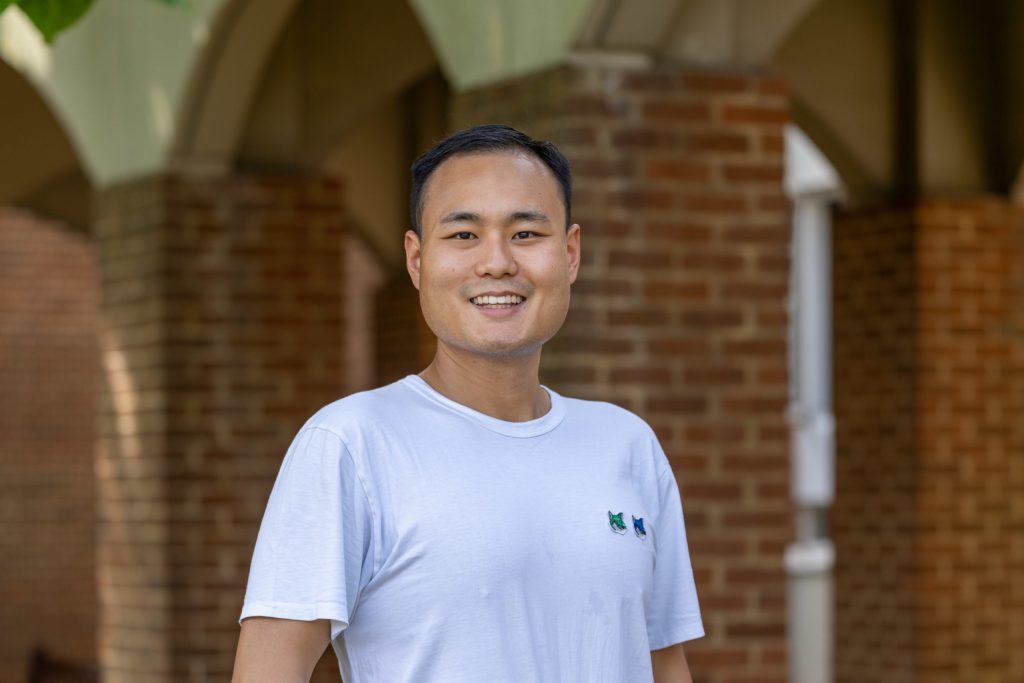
[(507, 389)]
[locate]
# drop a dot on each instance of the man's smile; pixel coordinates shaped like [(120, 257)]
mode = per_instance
[(497, 300)]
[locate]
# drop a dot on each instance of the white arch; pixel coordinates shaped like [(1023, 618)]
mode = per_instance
[(223, 81), (115, 79)]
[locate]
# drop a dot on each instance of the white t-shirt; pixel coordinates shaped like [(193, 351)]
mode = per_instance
[(445, 545)]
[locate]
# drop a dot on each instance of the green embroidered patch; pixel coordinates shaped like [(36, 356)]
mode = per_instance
[(616, 523)]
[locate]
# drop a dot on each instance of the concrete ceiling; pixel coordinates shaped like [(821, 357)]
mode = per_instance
[(140, 88), (743, 32)]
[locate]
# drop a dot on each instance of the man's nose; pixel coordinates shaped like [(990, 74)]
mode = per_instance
[(496, 258)]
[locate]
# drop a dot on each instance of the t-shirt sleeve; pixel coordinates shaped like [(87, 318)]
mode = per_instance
[(673, 615), (315, 548)]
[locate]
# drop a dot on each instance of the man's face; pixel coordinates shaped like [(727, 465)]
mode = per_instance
[(494, 263)]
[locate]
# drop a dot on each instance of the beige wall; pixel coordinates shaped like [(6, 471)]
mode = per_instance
[(373, 160), (844, 95), (958, 103)]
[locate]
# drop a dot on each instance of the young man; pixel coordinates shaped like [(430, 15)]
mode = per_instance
[(468, 524)]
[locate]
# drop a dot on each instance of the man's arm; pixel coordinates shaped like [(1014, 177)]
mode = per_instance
[(669, 665), (279, 650)]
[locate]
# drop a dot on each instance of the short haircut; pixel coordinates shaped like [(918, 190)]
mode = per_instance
[(490, 138)]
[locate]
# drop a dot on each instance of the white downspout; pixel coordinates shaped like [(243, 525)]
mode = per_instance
[(812, 185)]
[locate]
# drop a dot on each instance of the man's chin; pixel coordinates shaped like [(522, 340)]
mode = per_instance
[(505, 349)]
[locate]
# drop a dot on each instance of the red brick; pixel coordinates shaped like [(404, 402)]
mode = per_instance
[(717, 142), (575, 136), (678, 346), (684, 171), (755, 114), (595, 105), (715, 81), (675, 291), (714, 376), (714, 202), (711, 261), (741, 462), (644, 80), (773, 143), (650, 317), (639, 259), (49, 369), (755, 291), (654, 376), (642, 138), (678, 405), (770, 235), (679, 233), (773, 202), (673, 111), (773, 85), (711, 319), (768, 173), (601, 168), (639, 199)]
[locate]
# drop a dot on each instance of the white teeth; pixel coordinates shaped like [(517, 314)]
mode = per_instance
[(504, 300)]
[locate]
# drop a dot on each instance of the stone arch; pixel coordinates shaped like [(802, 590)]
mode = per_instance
[(269, 91), (224, 80)]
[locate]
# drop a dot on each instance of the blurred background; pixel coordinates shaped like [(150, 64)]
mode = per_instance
[(803, 242)]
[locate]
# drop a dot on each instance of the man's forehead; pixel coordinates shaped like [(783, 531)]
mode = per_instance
[(468, 167), (478, 158)]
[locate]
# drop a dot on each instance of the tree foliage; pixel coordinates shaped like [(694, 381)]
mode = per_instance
[(53, 16)]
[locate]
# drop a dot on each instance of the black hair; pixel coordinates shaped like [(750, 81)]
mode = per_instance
[(487, 139)]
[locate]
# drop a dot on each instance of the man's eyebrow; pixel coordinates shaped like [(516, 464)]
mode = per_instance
[(521, 216), (529, 216), (462, 217)]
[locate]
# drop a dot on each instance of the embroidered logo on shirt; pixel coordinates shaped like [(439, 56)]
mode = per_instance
[(638, 528), (616, 523)]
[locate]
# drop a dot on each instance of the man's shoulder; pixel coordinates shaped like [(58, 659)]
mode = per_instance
[(361, 409), (604, 415)]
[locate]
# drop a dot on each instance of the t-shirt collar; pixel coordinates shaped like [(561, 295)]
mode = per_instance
[(543, 424)]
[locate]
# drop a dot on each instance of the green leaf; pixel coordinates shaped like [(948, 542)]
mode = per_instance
[(53, 16)]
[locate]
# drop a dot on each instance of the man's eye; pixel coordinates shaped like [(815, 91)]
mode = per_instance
[(462, 236), (525, 234)]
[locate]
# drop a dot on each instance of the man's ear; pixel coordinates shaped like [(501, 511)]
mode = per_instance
[(413, 249), (572, 239)]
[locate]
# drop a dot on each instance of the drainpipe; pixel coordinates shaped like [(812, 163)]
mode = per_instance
[(809, 560), (813, 185)]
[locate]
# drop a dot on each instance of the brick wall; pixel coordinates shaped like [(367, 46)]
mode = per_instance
[(679, 312), (48, 387), (222, 307), (404, 343), (970, 535), (929, 368), (874, 516), (364, 276)]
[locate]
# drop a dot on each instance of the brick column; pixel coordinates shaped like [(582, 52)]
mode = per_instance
[(930, 442), (970, 425), (874, 517), (679, 313), (49, 372), (222, 331)]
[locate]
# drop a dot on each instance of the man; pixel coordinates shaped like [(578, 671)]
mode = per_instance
[(468, 524)]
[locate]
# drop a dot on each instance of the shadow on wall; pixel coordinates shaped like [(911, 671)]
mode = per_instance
[(46, 669)]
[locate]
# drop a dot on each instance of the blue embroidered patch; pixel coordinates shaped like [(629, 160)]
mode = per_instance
[(638, 528)]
